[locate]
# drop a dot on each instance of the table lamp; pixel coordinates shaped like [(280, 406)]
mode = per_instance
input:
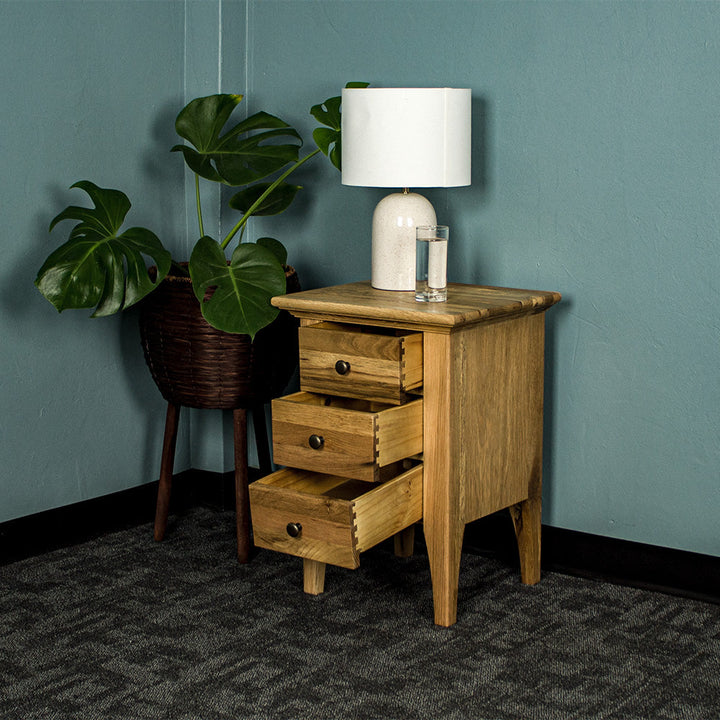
[(403, 138)]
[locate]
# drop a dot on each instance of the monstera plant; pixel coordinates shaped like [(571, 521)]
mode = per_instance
[(102, 266)]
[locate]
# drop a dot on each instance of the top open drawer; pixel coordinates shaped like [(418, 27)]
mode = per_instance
[(349, 361)]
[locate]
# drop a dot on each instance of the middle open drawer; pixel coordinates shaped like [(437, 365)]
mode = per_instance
[(342, 436)]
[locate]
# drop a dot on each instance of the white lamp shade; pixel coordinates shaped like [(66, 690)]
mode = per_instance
[(406, 137)]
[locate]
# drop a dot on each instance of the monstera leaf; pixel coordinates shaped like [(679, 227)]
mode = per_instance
[(328, 138), (275, 247), (277, 201), (235, 297), (234, 157), (97, 267)]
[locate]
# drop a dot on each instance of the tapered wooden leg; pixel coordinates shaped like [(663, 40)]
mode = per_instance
[(313, 576), (527, 518), (242, 499), (405, 542), (444, 545), (166, 470), (442, 520), (261, 439)]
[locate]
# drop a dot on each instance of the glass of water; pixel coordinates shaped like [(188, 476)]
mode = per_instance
[(431, 263)]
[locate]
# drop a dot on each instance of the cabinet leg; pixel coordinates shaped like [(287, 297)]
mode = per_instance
[(527, 517), (166, 470), (405, 542), (444, 546), (442, 516), (242, 498), (313, 576)]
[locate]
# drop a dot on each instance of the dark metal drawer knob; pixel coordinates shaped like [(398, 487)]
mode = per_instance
[(316, 442), (294, 529), (342, 367)]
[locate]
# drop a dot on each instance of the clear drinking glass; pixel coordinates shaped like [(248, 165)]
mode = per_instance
[(431, 263)]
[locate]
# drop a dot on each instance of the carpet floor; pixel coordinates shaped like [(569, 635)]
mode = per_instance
[(122, 628)]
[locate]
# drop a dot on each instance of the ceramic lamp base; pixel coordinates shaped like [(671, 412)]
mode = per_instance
[(393, 239)]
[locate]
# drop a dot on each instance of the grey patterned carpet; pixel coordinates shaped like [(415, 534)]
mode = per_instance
[(122, 627)]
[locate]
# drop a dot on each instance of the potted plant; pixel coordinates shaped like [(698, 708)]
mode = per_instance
[(210, 335), (103, 268), (99, 268)]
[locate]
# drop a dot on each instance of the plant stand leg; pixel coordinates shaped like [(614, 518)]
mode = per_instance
[(166, 470), (242, 499), (261, 439)]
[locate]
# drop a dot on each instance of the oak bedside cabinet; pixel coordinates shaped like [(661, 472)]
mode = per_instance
[(407, 412)]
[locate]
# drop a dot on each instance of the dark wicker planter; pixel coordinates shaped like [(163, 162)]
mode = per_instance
[(195, 365)]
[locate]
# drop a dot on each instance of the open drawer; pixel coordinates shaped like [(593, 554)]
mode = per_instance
[(358, 362), (331, 519), (344, 436)]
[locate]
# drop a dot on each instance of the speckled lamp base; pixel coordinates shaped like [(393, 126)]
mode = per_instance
[(393, 239)]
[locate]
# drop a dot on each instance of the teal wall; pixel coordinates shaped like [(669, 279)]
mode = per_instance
[(87, 92), (596, 173)]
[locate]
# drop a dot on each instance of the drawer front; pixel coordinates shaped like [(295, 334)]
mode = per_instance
[(344, 360), (331, 519), (351, 438)]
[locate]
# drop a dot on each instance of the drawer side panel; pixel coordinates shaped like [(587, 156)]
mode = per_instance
[(388, 509), (399, 432), (412, 361)]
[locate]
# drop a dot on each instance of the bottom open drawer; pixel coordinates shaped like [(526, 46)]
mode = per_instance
[(332, 519)]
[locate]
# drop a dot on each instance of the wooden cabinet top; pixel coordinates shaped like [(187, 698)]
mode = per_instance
[(466, 305)]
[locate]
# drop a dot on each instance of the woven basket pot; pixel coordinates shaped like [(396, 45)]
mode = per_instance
[(196, 365)]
